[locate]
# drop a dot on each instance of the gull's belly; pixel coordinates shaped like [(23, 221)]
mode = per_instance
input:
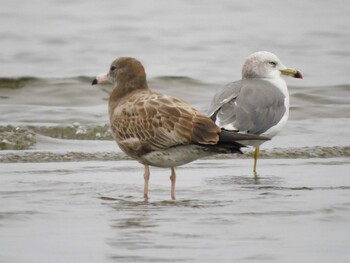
[(175, 156)]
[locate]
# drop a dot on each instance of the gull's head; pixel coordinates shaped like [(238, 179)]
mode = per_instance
[(124, 70), (263, 64)]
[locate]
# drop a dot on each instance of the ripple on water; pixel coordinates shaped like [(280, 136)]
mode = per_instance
[(275, 153)]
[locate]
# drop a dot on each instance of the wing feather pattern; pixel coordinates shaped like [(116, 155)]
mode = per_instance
[(150, 121)]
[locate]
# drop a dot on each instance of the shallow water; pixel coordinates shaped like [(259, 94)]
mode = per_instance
[(69, 194), (94, 212)]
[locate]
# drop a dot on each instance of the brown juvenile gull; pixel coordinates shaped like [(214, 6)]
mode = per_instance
[(159, 130), (259, 103)]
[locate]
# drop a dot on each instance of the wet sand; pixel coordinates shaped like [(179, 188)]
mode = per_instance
[(296, 210)]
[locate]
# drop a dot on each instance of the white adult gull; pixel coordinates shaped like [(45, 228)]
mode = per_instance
[(159, 130), (259, 103)]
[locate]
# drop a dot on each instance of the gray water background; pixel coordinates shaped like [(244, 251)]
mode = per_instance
[(68, 194)]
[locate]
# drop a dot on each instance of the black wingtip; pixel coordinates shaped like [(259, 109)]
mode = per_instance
[(229, 136), (94, 82)]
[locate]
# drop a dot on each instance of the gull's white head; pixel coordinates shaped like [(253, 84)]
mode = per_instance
[(263, 64)]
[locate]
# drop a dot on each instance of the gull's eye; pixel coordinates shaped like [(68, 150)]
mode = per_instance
[(273, 63), (113, 68)]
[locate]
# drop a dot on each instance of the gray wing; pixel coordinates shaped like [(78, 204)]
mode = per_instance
[(228, 93), (251, 105)]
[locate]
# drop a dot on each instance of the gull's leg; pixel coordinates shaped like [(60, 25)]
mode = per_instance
[(256, 156), (173, 180), (146, 176)]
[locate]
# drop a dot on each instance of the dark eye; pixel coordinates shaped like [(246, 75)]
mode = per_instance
[(273, 63), (113, 68)]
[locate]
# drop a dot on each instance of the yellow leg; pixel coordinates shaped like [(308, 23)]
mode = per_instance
[(146, 176), (256, 156), (173, 180)]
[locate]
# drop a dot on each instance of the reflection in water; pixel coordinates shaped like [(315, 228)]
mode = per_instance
[(219, 222), (248, 180)]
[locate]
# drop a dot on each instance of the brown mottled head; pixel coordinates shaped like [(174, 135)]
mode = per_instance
[(126, 72)]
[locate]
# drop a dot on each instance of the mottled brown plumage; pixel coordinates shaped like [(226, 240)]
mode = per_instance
[(157, 129), (145, 121)]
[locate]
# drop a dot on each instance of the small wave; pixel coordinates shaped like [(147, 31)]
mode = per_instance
[(164, 81), (16, 138), (24, 137), (16, 83), (39, 157), (76, 131), (276, 153), (301, 152)]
